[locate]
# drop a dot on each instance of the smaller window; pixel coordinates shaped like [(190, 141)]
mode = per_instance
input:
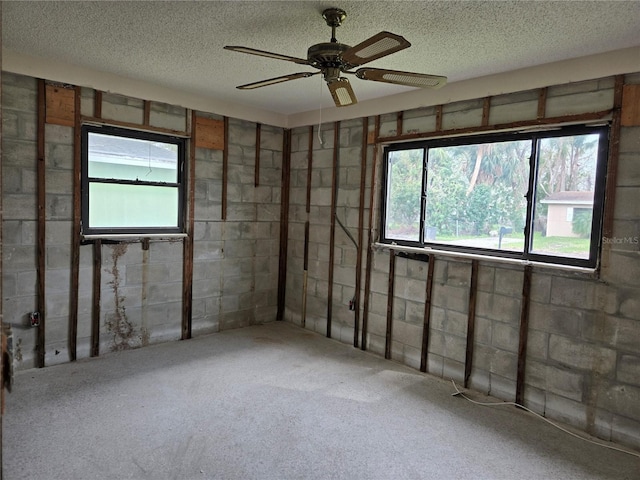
[(132, 182)]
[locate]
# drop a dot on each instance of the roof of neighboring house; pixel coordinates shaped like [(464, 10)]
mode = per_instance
[(570, 197)]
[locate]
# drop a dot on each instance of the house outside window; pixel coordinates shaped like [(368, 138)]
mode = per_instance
[(132, 182), (534, 196)]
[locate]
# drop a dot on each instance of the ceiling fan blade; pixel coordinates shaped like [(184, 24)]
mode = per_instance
[(381, 44), (273, 81), (399, 77), (342, 92), (264, 53)]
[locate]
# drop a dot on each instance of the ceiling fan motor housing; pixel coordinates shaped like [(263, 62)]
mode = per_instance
[(326, 54)]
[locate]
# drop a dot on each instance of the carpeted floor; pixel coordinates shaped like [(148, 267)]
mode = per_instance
[(274, 402)]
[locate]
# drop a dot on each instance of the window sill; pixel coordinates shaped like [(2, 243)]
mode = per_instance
[(590, 272), (125, 237)]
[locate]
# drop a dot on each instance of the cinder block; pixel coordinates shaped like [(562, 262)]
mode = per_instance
[(561, 103), (59, 206), (19, 93), (505, 337), (581, 355), (171, 117), (498, 307), (435, 365), (509, 282), (624, 267), (407, 334), (12, 232), (626, 206), (629, 140), (17, 258), (19, 153), (621, 399), (625, 431), (629, 168), (554, 379), (548, 318), (19, 207), (58, 135), (451, 298), (123, 109), (503, 388), (628, 369)]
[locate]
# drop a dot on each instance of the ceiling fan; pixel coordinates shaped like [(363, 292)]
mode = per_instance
[(333, 59)]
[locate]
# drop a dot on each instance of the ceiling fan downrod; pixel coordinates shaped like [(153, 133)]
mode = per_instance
[(334, 18)]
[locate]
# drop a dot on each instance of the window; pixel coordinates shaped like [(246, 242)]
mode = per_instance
[(533, 196), (132, 182)]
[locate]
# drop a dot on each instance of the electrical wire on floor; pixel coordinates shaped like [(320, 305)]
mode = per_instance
[(500, 404)]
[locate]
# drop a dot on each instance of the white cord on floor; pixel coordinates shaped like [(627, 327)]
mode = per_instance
[(499, 404)]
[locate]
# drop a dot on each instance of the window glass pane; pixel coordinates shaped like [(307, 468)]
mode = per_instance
[(564, 195), (123, 158), (114, 205), (404, 187), (476, 195)]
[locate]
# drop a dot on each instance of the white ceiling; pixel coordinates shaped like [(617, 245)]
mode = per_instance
[(178, 44)]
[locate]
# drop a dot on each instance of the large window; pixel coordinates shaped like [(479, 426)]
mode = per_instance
[(132, 182), (534, 196)]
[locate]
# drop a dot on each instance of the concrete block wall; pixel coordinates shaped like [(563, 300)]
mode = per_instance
[(583, 355), (235, 261), (348, 174)]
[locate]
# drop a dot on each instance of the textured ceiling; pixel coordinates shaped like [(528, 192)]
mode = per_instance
[(178, 44)]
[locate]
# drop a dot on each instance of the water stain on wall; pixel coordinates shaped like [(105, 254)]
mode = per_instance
[(117, 324)]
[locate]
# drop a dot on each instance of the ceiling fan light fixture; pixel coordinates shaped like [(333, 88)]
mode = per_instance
[(342, 92)]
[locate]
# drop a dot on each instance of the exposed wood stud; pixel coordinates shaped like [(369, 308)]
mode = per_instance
[(399, 121), (257, 161), (305, 274), (630, 114), (367, 274), (75, 241), (524, 331), (41, 173), (225, 168), (97, 104), (146, 120), (427, 315), (187, 245), (438, 118), (612, 161), (486, 109), (542, 102), (579, 117), (363, 182), (95, 309), (471, 322), (390, 297), (284, 223), (332, 233), (134, 126)]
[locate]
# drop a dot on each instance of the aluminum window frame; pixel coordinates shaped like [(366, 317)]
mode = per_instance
[(86, 181), (535, 136)]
